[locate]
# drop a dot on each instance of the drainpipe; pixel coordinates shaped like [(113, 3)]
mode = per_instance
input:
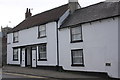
[(57, 47)]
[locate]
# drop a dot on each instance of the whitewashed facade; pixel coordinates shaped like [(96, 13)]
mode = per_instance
[(100, 47), (29, 37), (97, 42)]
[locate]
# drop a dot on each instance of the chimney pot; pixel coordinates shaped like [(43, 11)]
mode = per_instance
[(73, 0), (28, 13)]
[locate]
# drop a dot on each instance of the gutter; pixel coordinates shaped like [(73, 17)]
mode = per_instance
[(57, 46)]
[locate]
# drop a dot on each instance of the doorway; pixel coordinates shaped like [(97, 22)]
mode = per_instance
[(29, 56), (34, 56)]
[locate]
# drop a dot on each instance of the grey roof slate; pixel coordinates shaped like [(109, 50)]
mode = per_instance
[(91, 13)]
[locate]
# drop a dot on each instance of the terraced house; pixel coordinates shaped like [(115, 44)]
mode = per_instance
[(71, 37)]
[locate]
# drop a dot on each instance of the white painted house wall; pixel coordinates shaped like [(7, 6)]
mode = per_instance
[(119, 47), (30, 37), (100, 46)]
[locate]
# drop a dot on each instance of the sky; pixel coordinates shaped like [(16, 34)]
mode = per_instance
[(12, 12)]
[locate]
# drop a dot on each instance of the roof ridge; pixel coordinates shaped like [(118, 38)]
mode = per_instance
[(49, 10), (90, 5)]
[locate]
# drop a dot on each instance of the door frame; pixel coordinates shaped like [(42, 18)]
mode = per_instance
[(25, 56), (35, 48)]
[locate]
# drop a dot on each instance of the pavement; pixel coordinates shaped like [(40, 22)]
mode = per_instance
[(52, 73)]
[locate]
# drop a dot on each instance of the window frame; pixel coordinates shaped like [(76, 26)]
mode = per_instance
[(15, 37), (39, 57), (43, 30), (17, 54), (81, 65), (71, 35)]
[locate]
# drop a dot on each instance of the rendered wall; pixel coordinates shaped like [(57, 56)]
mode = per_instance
[(100, 46), (119, 47), (30, 37)]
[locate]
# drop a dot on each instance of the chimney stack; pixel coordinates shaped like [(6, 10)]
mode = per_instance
[(73, 5), (28, 13)]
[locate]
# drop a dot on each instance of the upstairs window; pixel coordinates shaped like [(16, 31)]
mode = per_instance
[(15, 54), (15, 37), (76, 34), (42, 31), (42, 52), (77, 57)]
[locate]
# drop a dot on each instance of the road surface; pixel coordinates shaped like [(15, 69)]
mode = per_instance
[(16, 76)]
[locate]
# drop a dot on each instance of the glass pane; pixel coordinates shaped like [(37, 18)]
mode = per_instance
[(78, 53), (76, 37), (42, 33), (76, 30), (42, 55), (15, 34), (78, 60), (77, 57), (42, 28), (42, 51), (16, 38), (15, 54)]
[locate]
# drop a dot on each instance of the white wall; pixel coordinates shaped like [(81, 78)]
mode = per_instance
[(100, 46), (51, 46), (30, 37), (119, 47)]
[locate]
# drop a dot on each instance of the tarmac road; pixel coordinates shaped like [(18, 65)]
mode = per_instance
[(16, 76)]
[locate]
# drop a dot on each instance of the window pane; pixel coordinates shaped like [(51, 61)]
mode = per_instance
[(15, 36), (15, 54), (42, 28), (76, 60), (42, 52), (76, 33), (43, 56), (76, 30), (42, 33), (77, 56), (76, 37)]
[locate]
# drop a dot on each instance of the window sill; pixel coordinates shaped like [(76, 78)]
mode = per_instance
[(42, 59), (42, 37), (78, 65), (15, 59), (76, 41), (15, 41)]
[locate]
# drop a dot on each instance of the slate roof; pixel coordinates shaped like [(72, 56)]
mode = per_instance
[(42, 18), (91, 13)]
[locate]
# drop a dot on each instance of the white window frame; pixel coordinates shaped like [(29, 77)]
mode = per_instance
[(15, 37), (41, 31), (76, 31), (42, 52), (15, 54), (74, 54)]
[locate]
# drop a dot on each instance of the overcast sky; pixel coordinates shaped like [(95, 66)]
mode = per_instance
[(12, 12)]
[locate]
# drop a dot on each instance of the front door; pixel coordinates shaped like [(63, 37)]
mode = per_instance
[(34, 62), (23, 51)]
